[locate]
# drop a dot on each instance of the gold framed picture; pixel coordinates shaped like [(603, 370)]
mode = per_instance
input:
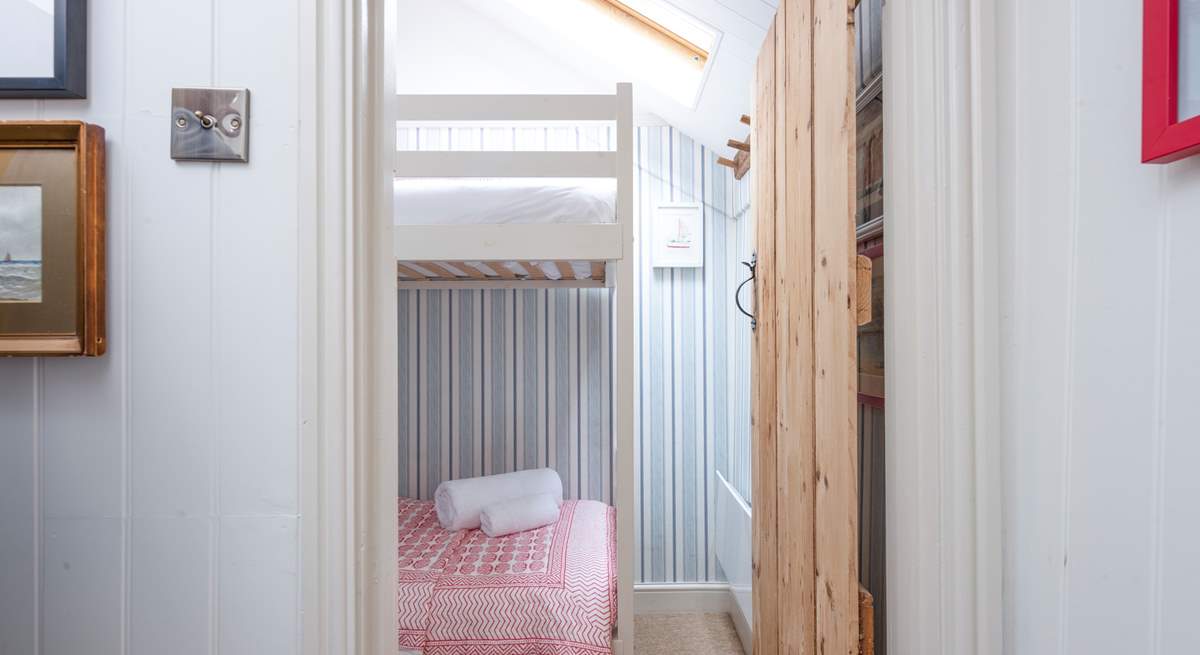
[(52, 202)]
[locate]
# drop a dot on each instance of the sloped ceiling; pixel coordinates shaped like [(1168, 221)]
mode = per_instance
[(490, 46)]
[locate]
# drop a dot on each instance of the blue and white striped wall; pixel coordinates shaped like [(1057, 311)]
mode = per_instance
[(498, 380), (734, 458), (692, 411)]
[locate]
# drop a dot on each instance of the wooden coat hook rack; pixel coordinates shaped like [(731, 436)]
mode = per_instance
[(741, 161)]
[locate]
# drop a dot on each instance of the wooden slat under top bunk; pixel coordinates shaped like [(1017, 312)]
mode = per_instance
[(460, 274)]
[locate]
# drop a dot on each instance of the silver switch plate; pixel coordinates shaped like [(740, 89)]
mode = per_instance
[(210, 124)]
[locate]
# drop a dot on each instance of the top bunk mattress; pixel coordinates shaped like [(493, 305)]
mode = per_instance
[(463, 201)]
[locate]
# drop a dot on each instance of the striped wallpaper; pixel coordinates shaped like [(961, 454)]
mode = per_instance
[(498, 380), (733, 459), (690, 417)]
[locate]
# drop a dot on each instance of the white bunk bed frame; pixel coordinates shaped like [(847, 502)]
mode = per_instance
[(609, 248)]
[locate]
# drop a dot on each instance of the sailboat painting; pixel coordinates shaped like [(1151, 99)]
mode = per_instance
[(678, 236), (20, 244)]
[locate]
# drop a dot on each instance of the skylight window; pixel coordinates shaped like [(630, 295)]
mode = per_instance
[(649, 40), (670, 23)]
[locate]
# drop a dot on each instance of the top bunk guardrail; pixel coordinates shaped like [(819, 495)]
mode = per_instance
[(510, 108), (449, 163), (515, 242), (483, 108)]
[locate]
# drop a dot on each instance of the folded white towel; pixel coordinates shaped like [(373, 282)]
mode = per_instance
[(518, 515), (459, 502)]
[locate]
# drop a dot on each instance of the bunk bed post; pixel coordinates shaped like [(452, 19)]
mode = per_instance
[(625, 380)]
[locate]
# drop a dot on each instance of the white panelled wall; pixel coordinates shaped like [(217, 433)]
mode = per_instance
[(1101, 358), (148, 499)]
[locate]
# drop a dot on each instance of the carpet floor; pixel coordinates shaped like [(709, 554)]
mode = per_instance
[(695, 634)]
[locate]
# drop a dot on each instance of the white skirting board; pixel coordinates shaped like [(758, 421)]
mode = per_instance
[(741, 623), (688, 598), (733, 554), (678, 598)]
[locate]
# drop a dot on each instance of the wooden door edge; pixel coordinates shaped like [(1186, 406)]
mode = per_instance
[(866, 622)]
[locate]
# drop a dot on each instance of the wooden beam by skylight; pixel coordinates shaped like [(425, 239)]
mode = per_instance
[(656, 30)]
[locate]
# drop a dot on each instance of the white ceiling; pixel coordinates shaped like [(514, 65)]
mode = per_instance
[(489, 46)]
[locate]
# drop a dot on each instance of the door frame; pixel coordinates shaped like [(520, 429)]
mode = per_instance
[(348, 476), (942, 343), (943, 465)]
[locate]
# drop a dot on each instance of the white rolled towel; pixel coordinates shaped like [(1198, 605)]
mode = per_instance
[(519, 514), (459, 502)]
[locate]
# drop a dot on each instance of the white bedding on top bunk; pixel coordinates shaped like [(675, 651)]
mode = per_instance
[(468, 201)]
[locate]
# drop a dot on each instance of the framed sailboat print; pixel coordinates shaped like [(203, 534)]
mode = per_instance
[(52, 199), (678, 236)]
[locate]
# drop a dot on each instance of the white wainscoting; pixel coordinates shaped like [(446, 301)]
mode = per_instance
[(1094, 337), (149, 498)]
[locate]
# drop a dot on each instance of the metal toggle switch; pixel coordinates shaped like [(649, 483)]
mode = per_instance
[(210, 124)]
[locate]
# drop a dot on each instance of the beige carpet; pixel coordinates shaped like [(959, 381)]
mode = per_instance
[(695, 634)]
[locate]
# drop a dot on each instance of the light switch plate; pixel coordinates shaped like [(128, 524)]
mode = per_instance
[(210, 124)]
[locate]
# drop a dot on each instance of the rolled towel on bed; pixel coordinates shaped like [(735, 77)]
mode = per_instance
[(459, 502), (519, 514)]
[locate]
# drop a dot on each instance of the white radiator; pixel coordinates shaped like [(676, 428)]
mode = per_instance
[(734, 533)]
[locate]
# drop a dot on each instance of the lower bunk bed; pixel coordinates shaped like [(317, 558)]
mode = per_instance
[(548, 591)]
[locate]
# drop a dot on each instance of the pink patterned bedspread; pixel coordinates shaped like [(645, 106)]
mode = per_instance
[(550, 591)]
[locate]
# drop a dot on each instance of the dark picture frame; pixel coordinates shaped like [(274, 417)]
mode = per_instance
[(66, 160), (70, 58)]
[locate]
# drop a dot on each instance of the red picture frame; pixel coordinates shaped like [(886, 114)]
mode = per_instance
[(1164, 137)]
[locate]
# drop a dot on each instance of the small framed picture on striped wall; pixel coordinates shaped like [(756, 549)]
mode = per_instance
[(678, 235)]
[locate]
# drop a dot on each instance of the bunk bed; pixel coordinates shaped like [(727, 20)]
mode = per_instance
[(518, 219)]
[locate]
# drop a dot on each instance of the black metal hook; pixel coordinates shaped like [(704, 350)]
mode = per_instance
[(737, 295)]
